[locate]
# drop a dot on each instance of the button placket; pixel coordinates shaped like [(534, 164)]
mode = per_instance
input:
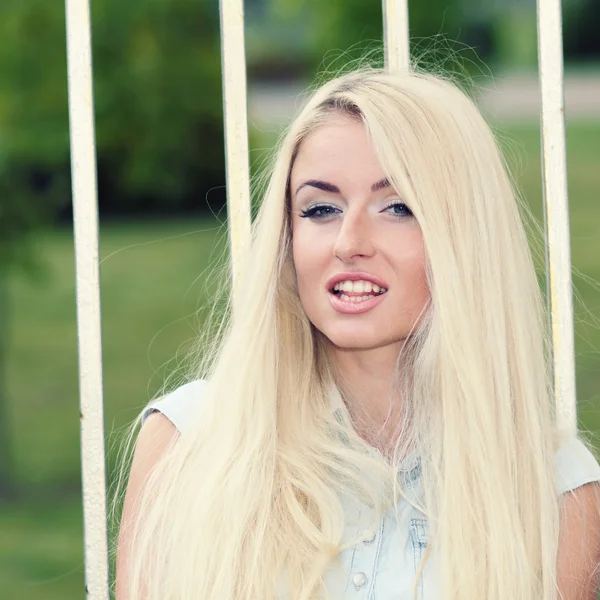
[(360, 573), (364, 565), (355, 575), (369, 536), (376, 558), (358, 580)]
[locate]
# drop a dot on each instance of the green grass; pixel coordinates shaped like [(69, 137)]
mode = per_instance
[(152, 285), (41, 551), (583, 158), (150, 292)]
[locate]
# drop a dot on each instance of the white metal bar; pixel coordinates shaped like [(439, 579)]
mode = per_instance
[(233, 59), (85, 213), (395, 35), (556, 207)]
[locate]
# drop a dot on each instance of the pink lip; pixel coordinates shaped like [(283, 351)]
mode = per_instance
[(354, 308), (354, 276)]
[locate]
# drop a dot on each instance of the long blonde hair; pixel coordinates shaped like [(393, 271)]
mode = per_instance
[(251, 495)]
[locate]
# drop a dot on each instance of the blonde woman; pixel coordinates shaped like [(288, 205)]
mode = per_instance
[(376, 419)]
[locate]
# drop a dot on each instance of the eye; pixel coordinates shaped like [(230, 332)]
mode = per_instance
[(399, 209), (318, 211)]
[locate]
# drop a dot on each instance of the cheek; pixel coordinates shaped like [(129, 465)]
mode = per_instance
[(310, 256), (417, 274), (411, 269)]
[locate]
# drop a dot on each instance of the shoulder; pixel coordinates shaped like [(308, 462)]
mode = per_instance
[(577, 477), (575, 465), (579, 543), (179, 406), (155, 437), (162, 422)]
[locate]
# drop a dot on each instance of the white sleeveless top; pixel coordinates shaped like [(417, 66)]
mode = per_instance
[(384, 565)]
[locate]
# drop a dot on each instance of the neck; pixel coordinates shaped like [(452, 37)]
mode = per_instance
[(366, 379)]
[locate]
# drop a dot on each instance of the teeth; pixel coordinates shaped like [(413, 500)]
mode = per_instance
[(358, 287), (355, 298)]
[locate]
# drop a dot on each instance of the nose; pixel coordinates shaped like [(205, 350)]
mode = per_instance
[(354, 239)]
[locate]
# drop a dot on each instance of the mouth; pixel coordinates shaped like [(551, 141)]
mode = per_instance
[(357, 291)]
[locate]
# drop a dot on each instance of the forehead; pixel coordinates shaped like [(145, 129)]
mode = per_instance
[(339, 152)]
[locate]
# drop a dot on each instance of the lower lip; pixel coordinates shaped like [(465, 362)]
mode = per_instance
[(354, 308)]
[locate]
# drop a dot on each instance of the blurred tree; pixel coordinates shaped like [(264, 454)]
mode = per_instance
[(342, 30), (158, 103), (157, 91), (581, 19), (158, 123)]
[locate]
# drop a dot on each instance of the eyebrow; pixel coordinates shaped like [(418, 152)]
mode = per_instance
[(329, 187)]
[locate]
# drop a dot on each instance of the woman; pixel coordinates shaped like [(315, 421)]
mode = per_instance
[(376, 421)]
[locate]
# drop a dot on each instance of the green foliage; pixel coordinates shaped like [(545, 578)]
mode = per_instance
[(33, 124), (158, 104), (158, 101), (580, 25), (343, 30), (514, 34)]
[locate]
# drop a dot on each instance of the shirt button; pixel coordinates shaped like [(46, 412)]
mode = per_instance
[(368, 536), (359, 579)]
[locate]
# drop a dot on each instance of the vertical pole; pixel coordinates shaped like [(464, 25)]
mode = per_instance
[(395, 35), (233, 59), (556, 209), (85, 213)]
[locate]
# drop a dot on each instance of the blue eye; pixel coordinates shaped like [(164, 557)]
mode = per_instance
[(399, 209), (319, 211)]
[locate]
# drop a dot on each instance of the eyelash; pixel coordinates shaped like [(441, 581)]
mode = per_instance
[(404, 207), (311, 213)]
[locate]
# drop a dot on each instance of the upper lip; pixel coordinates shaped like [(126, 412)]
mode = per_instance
[(354, 276)]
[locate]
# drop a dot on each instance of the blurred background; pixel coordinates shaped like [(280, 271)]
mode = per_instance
[(161, 183)]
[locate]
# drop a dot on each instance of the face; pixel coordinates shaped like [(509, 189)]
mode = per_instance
[(357, 249)]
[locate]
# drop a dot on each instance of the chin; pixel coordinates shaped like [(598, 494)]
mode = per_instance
[(355, 341)]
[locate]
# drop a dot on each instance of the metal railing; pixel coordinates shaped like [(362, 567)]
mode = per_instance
[(556, 209), (85, 215), (83, 160)]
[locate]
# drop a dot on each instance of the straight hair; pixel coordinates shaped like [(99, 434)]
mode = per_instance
[(249, 502)]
